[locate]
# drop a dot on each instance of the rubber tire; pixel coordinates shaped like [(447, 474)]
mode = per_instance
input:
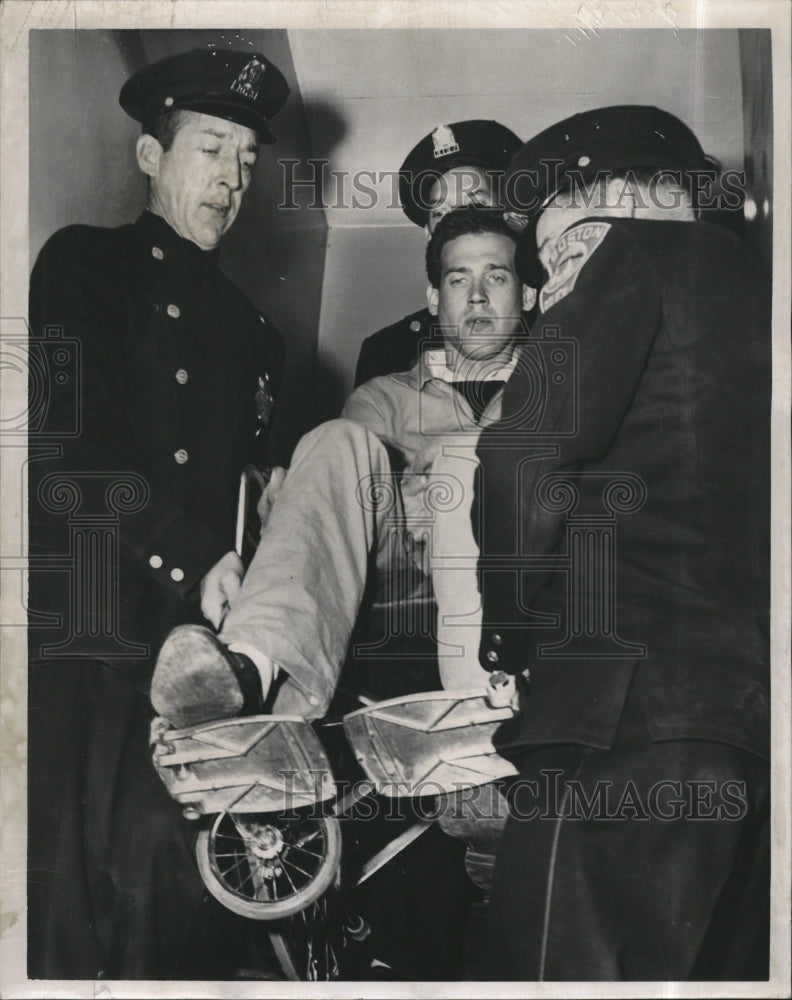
[(280, 908)]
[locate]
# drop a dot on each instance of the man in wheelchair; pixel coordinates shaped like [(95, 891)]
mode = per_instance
[(357, 493)]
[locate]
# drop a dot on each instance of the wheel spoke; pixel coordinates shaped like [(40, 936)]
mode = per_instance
[(290, 880), (241, 884), (309, 836), (243, 879), (236, 865), (302, 871), (298, 847)]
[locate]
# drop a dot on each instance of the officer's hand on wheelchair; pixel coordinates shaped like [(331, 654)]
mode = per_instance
[(220, 586)]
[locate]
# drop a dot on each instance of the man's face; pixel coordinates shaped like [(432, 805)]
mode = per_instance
[(198, 184), (480, 298), (458, 188)]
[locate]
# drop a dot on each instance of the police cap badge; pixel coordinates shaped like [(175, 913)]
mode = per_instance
[(242, 87), (474, 143)]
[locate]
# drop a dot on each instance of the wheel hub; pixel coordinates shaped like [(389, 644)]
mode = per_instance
[(263, 841)]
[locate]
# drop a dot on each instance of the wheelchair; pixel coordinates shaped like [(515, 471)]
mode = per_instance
[(270, 810)]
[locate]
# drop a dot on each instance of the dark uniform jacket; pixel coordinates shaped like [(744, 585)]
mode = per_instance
[(394, 348), (166, 356), (144, 365), (670, 395)]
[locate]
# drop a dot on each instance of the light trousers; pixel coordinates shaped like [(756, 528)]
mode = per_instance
[(344, 511)]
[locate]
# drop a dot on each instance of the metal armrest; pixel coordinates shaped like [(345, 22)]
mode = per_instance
[(252, 484)]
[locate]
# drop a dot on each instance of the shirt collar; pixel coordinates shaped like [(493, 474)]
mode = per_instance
[(432, 365)]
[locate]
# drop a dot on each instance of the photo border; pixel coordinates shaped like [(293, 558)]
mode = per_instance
[(17, 19)]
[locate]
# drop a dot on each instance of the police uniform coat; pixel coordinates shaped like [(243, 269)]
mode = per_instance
[(673, 388), (170, 353), (671, 395), (166, 355), (395, 348)]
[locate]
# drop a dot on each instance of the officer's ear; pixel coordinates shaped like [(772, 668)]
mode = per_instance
[(620, 197), (432, 299), (528, 298), (148, 152)]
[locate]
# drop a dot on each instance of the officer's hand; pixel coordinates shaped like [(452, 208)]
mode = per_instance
[(271, 492), (220, 586)]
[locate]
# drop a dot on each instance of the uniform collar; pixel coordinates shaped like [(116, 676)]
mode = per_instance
[(432, 365), (160, 234)]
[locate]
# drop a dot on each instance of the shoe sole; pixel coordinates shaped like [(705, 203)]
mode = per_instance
[(193, 682)]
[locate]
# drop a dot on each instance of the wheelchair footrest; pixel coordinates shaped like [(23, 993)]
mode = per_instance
[(261, 763), (430, 743)]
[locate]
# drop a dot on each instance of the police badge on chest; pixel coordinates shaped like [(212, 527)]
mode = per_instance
[(264, 400)]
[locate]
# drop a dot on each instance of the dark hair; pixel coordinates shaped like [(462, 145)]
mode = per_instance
[(165, 127), (463, 222)]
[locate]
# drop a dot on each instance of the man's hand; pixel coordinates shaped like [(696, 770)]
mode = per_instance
[(220, 586), (271, 492)]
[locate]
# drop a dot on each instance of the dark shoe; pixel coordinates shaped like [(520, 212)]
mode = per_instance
[(197, 679)]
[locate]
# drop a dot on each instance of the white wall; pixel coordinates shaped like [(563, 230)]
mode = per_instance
[(371, 95), (82, 145), (373, 276)]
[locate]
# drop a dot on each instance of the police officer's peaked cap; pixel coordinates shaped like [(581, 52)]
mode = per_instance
[(597, 142), (241, 87), (475, 143)]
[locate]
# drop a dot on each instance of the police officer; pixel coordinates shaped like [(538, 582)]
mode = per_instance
[(173, 386), (637, 481), (454, 166)]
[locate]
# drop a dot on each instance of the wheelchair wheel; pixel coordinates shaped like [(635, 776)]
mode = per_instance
[(267, 868)]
